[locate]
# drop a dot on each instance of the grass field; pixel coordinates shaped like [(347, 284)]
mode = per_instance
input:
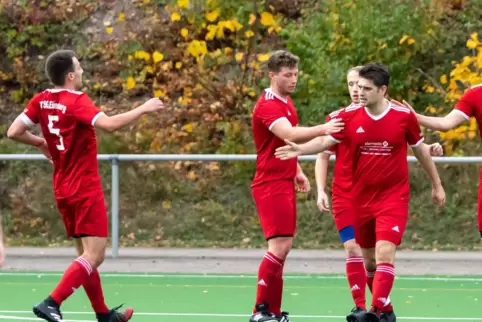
[(212, 298)]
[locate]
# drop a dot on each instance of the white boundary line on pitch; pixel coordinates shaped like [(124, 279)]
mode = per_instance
[(232, 316), (241, 276), (10, 317)]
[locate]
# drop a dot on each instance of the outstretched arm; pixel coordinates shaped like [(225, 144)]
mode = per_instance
[(299, 134), (443, 124), (116, 122), (293, 150)]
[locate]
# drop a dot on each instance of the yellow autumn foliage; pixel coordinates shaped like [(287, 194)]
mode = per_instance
[(466, 73)]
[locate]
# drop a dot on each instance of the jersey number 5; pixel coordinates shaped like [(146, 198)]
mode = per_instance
[(52, 119)]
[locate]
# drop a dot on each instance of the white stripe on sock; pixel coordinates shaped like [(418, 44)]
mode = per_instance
[(272, 259), (85, 264)]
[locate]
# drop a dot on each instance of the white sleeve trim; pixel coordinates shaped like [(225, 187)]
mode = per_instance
[(418, 143), (276, 121), (26, 120), (463, 114), (329, 152), (333, 139), (96, 117)]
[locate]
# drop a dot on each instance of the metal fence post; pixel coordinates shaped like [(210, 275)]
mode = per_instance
[(115, 206)]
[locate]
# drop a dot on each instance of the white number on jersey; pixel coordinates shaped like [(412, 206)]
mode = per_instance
[(52, 119)]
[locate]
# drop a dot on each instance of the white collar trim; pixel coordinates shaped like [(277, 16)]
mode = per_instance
[(380, 116), (283, 99)]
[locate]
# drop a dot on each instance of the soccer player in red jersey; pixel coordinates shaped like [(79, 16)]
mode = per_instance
[(358, 270), (67, 118), (379, 131), (273, 187), (470, 105)]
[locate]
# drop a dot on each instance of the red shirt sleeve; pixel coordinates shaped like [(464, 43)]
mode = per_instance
[(85, 110), (30, 115), (414, 133), (467, 103), (268, 114)]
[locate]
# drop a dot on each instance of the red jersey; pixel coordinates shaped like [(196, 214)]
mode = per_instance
[(67, 120), (342, 174), (270, 109), (471, 105), (380, 168)]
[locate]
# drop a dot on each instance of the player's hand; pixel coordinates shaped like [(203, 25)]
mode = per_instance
[(153, 105), (404, 103), (302, 183), (290, 151), (438, 195), (44, 149), (333, 126), (322, 202), (436, 150)]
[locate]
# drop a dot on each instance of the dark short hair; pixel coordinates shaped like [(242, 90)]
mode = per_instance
[(377, 73), (58, 65), (280, 59)]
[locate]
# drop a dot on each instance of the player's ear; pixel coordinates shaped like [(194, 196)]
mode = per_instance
[(384, 89), (271, 75)]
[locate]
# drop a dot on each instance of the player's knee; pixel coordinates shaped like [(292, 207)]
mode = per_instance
[(352, 249), (280, 246), (369, 259), (385, 252), (94, 259), (94, 250)]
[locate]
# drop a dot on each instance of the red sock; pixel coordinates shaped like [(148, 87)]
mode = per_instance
[(93, 288), (76, 275), (357, 279), (269, 274), (370, 277), (277, 294), (382, 285)]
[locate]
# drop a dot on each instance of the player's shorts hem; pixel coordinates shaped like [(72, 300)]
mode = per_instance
[(77, 236), (389, 237), (280, 235)]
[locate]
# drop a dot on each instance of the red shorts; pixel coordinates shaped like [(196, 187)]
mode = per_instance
[(386, 223), (343, 213), (276, 205), (85, 214)]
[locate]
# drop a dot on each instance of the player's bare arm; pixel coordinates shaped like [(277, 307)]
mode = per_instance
[(302, 182), (293, 150), (19, 132), (321, 171), (116, 122), (443, 124), (300, 134), (422, 154)]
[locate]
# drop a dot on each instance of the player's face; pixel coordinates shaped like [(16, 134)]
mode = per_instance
[(76, 76), (352, 82), (285, 80), (369, 93)]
